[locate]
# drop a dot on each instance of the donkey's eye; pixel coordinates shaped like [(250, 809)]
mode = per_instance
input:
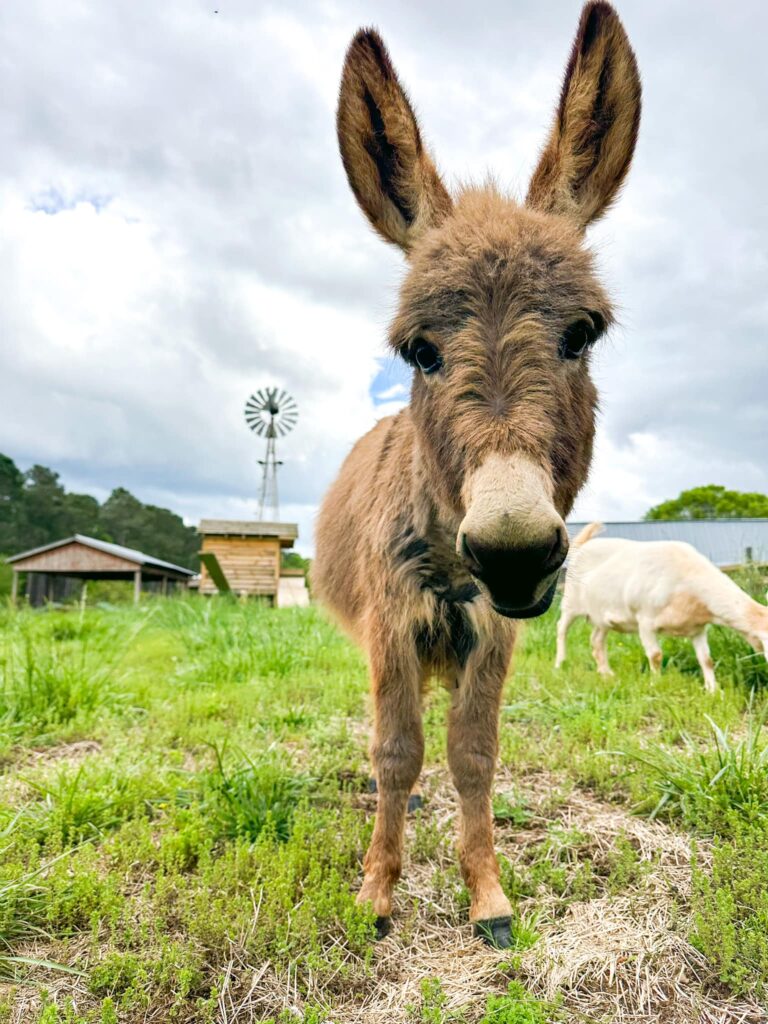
[(579, 336), (425, 356)]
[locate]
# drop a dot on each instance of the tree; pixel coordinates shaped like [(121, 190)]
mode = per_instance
[(157, 531), (43, 511), (293, 560), (11, 489), (122, 519), (712, 502), (83, 513)]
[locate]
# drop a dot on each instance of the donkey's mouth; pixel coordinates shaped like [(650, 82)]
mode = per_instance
[(541, 606)]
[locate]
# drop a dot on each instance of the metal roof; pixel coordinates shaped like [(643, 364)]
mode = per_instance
[(725, 542), (129, 554), (248, 528)]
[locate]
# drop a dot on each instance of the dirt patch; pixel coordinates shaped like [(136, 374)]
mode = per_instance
[(622, 957)]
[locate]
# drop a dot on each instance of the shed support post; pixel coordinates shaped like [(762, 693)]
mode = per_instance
[(165, 586), (14, 586), (137, 586)]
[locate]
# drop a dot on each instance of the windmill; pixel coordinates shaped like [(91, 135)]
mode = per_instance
[(270, 413)]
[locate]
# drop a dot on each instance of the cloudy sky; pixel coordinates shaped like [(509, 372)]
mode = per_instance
[(176, 231)]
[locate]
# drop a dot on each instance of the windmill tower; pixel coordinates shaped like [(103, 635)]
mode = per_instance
[(270, 413)]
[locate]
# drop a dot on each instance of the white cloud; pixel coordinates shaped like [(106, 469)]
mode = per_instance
[(176, 231)]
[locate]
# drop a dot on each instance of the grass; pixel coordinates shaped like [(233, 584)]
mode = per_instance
[(184, 810)]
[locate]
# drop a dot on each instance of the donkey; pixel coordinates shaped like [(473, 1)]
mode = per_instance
[(445, 524)]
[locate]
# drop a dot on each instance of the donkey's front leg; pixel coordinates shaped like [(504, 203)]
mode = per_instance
[(397, 752), (472, 748)]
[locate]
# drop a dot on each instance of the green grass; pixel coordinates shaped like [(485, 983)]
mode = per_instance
[(213, 824)]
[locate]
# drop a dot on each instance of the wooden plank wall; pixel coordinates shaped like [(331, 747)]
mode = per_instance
[(75, 557), (251, 564)]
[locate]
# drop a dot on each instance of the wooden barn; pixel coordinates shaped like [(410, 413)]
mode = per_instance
[(244, 557), (85, 558)]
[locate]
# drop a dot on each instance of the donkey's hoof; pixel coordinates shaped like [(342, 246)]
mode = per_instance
[(383, 926), (372, 786), (415, 802), (495, 931)]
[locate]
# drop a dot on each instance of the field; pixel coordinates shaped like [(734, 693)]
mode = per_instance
[(184, 806)]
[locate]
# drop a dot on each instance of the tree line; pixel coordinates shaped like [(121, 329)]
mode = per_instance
[(712, 502), (36, 509)]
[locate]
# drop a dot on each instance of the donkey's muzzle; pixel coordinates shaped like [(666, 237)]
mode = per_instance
[(520, 579)]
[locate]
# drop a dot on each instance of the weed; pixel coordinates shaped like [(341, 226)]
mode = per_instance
[(255, 796), (704, 786), (519, 1007), (731, 907), (510, 807), (430, 841)]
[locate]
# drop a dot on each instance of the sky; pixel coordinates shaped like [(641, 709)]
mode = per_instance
[(176, 231)]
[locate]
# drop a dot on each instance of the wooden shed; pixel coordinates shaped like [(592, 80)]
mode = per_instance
[(243, 556), (86, 558)]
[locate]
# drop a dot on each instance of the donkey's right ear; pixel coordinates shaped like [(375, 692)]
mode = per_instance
[(593, 138), (393, 178)]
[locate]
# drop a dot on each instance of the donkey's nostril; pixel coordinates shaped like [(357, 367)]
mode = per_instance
[(559, 549), (470, 559)]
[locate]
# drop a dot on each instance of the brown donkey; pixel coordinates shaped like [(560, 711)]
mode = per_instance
[(446, 521)]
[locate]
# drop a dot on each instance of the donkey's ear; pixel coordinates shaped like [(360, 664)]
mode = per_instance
[(593, 138), (392, 176)]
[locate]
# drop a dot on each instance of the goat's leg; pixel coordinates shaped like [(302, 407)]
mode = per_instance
[(599, 652), (650, 643), (472, 749), (397, 751), (563, 625), (701, 647)]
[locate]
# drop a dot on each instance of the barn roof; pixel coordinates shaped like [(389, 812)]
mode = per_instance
[(139, 558), (726, 542), (248, 528)]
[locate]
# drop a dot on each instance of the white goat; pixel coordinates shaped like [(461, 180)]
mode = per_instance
[(651, 587)]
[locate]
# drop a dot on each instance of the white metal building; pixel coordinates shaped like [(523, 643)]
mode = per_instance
[(726, 542)]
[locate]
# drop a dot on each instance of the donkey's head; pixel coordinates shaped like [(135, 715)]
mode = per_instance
[(501, 305)]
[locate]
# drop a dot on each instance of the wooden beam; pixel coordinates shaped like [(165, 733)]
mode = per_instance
[(137, 586), (14, 586), (212, 564)]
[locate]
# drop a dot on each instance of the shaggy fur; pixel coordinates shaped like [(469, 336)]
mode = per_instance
[(494, 445)]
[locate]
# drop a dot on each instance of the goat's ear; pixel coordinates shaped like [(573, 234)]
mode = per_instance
[(393, 178), (593, 138)]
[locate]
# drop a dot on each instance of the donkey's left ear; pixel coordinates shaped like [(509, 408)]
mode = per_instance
[(593, 138), (391, 174)]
